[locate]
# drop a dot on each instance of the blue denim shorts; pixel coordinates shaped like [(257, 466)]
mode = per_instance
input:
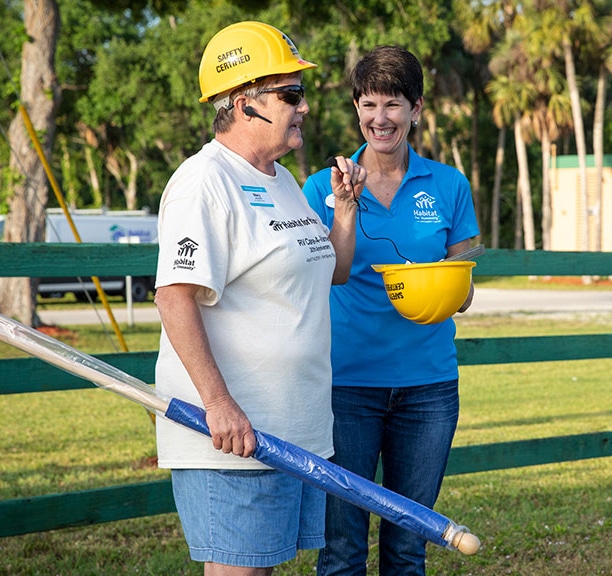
[(251, 518)]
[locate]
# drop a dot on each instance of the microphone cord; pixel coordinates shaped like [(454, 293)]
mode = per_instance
[(361, 207)]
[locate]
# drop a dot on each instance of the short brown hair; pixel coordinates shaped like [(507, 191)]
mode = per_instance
[(389, 70)]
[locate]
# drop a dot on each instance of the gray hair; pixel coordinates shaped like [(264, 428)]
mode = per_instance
[(225, 113)]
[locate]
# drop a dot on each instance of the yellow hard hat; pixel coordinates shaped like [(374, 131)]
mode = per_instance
[(243, 53), (427, 293)]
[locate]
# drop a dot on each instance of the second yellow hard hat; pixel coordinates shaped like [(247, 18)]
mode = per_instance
[(427, 293)]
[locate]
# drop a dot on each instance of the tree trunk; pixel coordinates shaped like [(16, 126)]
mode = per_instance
[(518, 220), (546, 200), (302, 164), (111, 161), (131, 190), (93, 178), (40, 94), (91, 143), (457, 155), (418, 139), (525, 187), (475, 172), (495, 200), (432, 129), (598, 151), (570, 73), (68, 179)]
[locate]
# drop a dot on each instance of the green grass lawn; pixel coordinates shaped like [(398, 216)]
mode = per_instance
[(544, 282), (533, 400), (536, 521)]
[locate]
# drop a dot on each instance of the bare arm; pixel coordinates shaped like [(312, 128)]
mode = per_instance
[(230, 429), (456, 249), (347, 182)]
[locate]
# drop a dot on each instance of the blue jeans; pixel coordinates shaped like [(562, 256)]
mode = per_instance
[(252, 518), (411, 429)]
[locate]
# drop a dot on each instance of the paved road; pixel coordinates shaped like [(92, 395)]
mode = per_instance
[(496, 301), (83, 316), (486, 301)]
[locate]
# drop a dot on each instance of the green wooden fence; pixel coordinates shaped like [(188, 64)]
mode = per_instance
[(30, 375)]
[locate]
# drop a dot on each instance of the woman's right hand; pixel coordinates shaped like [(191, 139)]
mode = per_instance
[(347, 179), (230, 429)]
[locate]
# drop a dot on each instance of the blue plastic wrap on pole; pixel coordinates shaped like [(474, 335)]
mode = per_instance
[(270, 450), (330, 477)]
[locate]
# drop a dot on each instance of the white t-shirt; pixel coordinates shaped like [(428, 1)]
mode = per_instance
[(265, 263)]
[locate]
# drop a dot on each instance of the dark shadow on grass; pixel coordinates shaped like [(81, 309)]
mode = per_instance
[(535, 420), (56, 475)]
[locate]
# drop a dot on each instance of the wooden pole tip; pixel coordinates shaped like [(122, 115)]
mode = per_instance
[(466, 543)]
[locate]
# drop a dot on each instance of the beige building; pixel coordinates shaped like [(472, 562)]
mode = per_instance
[(567, 205)]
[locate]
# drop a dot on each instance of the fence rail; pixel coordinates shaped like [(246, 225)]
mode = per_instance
[(30, 375)]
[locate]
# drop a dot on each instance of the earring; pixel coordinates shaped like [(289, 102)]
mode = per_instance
[(415, 123)]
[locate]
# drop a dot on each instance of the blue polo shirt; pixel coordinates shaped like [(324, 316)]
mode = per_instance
[(372, 345)]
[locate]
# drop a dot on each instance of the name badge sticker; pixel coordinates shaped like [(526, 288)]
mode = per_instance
[(258, 196)]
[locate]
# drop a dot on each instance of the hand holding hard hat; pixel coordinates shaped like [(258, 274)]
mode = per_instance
[(432, 292)]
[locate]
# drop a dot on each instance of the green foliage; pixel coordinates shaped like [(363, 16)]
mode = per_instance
[(12, 38), (128, 72)]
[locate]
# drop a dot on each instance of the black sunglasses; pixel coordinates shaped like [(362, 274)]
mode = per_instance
[(291, 94)]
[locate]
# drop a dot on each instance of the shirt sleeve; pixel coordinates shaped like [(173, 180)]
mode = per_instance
[(317, 189), (194, 246)]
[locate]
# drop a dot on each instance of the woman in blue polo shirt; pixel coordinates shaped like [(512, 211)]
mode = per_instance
[(395, 383)]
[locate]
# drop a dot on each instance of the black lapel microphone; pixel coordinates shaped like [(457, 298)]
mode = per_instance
[(361, 207), (250, 111), (331, 161)]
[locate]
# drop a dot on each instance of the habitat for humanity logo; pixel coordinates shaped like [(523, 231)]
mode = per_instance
[(118, 232), (425, 210), (278, 225), (186, 249)]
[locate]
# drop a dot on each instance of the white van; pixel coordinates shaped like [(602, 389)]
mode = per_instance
[(105, 226)]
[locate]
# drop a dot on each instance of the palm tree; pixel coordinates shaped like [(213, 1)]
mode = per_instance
[(481, 26), (552, 109), (496, 194), (510, 99), (549, 117), (598, 141), (514, 95), (594, 27), (456, 85), (572, 18)]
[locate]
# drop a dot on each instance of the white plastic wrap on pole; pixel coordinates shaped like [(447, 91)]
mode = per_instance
[(87, 367)]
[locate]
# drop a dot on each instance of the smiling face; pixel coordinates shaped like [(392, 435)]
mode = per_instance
[(386, 120), (388, 94)]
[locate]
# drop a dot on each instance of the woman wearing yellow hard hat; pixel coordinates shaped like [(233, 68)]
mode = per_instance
[(244, 306), (395, 380)]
